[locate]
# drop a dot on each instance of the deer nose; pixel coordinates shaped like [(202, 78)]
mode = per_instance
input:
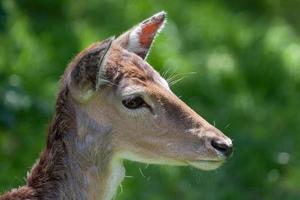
[(222, 147)]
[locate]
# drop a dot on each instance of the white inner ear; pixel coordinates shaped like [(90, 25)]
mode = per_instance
[(134, 41)]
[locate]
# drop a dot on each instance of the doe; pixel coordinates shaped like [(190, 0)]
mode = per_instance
[(112, 105)]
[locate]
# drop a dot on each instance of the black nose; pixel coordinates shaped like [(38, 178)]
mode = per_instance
[(222, 147)]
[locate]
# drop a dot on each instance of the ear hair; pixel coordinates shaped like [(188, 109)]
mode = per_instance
[(140, 38), (86, 69), (102, 63)]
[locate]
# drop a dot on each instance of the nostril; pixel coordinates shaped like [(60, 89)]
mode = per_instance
[(222, 147)]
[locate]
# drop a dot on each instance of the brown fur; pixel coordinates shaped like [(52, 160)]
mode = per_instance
[(92, 131), (47, 174)]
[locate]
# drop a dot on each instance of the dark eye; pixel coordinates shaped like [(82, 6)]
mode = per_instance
[(134, 102)]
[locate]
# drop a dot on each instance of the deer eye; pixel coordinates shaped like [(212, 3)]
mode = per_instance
[(134, 102)]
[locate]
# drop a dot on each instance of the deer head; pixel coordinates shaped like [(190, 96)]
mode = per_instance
[(123, 98), (113, 106)]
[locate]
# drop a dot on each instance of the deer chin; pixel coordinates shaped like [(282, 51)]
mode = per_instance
[(206, 165)]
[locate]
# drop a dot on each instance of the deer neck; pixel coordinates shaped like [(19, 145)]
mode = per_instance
[(78, 162), (104, 171)]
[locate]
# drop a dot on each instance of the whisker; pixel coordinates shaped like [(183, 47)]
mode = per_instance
[(176, 77), (176, 81), (227, 126), (141, 172), (165, 73)]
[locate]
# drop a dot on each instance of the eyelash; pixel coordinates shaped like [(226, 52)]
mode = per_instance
[(134, 102), (136, 112)]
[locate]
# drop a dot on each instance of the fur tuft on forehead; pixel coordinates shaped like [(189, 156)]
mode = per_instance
[(140, 38)]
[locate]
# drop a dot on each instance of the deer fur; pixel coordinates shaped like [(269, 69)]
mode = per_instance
[(92, 132)]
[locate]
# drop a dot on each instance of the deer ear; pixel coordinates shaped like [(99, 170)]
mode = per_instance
[(140, 38), (86, 68)]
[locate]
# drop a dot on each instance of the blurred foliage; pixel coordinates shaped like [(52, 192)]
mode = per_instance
[(246, 59)]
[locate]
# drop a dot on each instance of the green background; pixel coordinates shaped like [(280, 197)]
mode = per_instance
[(240, 61)]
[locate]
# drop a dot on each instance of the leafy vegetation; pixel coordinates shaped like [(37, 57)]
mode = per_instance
[(245, 59)]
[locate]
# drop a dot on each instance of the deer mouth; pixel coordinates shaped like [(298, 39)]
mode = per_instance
[(206, 164)]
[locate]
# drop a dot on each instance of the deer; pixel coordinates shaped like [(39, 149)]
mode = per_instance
[(114, 106)]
